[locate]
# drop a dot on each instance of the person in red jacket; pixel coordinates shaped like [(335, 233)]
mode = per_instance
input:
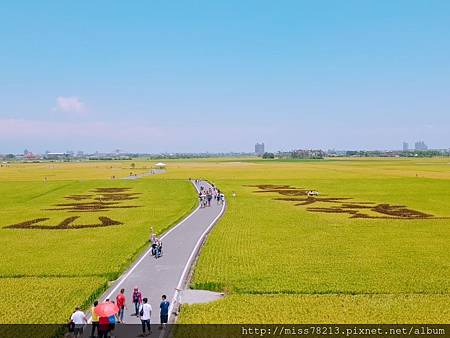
[(120, 302)]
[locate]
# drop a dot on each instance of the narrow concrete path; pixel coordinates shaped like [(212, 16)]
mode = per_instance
[(155, 277)]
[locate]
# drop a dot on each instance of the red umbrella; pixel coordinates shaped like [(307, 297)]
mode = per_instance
[(106, 309)]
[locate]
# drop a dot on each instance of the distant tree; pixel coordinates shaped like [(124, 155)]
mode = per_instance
[(268, 155), (10, 156), (133, 165)]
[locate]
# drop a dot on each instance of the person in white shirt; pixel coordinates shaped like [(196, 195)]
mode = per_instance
[(145, 313), (79, 319)]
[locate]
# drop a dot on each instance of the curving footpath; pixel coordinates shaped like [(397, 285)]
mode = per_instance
[(168, 274)]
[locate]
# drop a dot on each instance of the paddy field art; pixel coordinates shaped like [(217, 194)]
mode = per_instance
[(66, 237), (371, 247), (327, 241)]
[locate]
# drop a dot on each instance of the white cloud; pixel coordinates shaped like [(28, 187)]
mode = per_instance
[(70, 104)]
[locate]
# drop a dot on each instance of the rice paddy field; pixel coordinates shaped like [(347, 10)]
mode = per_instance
[(65, 237), (372, 247)]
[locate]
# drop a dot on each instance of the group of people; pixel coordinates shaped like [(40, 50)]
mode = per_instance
[(156, 244), (102, 327), (206, 195), (143, 310)]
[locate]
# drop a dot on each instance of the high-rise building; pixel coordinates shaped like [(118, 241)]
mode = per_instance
[(259, 149), (420, 145), (405, 146)]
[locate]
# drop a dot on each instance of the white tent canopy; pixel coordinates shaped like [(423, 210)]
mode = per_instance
[(160, 164)]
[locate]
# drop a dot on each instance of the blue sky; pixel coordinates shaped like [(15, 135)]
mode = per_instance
[(153, 76)]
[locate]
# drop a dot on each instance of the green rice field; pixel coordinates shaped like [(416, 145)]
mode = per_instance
[(56, 264), (372, 247), (278, 261)]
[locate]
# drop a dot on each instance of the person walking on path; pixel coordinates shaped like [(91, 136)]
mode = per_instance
[(137, 300), (209, 197), (94, 320), (153, 240), (79, 319), (145, 313), (112, 322), (103, 327), (202, 197), (121, 301), (158, 253), (217, 197), (164, 311)]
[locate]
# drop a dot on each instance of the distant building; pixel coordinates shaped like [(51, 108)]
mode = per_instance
[(259, 149), (420, 145), (55, 156), (405, 146), (308, 153), (30, 156)]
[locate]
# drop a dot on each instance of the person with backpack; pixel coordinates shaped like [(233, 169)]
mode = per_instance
[(137, 300), (121, 301), (145, 313), (164, 311)]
